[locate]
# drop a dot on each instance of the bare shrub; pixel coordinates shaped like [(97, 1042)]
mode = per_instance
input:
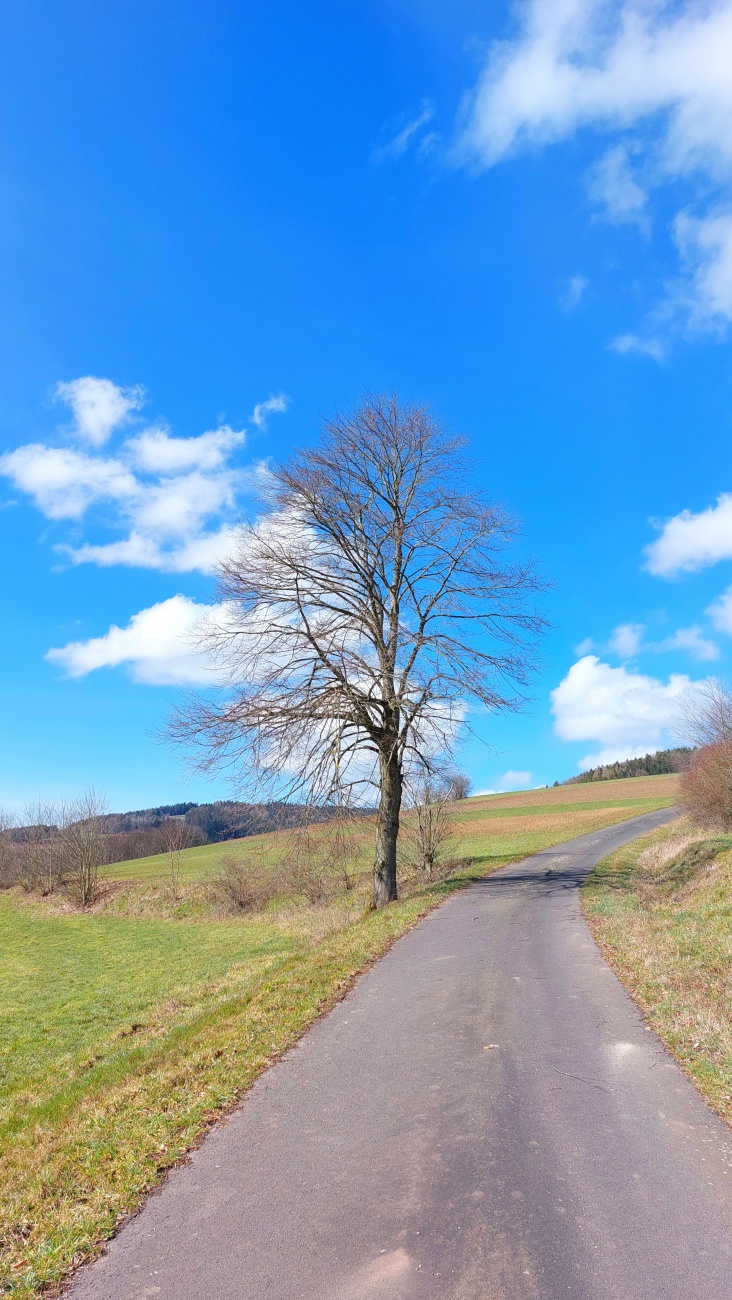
[(84, 837), (303, 870), (338, 849), (177, 835), (40, 857), (706, 788), (8, 849), (430, 828), (243, 885)]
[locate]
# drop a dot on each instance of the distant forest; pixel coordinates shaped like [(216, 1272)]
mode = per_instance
[(139, 834), (658, 764)]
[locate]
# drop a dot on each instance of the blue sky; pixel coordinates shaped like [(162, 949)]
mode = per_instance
[(520, 215)]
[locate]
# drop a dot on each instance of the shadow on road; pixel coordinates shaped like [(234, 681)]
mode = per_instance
[(542, 879)]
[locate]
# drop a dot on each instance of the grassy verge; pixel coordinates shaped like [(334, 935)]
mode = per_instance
[(125, 1032), (660, 909)]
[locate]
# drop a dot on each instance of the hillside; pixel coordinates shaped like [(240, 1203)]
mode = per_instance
[(657, 764)]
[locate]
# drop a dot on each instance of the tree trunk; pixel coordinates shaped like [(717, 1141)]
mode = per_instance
[(387, 830)]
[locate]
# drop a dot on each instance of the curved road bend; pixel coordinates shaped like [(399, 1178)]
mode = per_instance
[(485, 1116)]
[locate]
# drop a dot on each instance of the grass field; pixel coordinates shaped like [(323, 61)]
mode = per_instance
[(125, 1034), (661, 910)]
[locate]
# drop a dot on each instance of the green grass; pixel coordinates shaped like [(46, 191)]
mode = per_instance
[(127, 1030), (661, 910), (80, 996)]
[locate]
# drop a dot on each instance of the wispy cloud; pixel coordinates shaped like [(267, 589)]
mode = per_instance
[(655, 75), (397, 146), (648, 347), (628, 640), (573, 292), (615, 190), (272, 406)]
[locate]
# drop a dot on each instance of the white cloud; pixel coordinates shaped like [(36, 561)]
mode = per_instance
[(574, 292), (689, 542), (199, 554), (510, 780), (648, 347), (626, 640), (272, 406), (662, 70), (177, 507), (155, 452), (720, 612), (64, 483), (626, 712), (174, 499), (692, 641), (99, 406), (156, 646), (614, 188), (398, 145), (705, 245)]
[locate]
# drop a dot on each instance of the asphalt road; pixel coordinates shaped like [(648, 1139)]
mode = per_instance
[(485, 1116)]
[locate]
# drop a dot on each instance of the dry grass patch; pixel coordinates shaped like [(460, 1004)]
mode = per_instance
[(661, 911)]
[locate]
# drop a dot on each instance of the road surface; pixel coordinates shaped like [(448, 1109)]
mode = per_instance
[(485, 1116)]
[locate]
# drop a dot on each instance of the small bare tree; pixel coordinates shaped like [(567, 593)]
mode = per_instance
[(84, 839), (361, 614), (458, 785), (705, 714), (40, 855), (431, 824), (176, 835)]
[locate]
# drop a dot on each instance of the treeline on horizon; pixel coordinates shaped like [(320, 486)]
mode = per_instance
[(141, 833), (661, 763)]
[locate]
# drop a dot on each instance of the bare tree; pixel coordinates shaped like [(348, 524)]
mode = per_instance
[(705, 714), (84, 837), (458, 785), (362, 614), (176, 835)]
